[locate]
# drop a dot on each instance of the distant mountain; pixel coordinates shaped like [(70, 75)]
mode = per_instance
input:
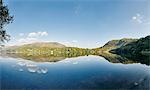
[(45, 44), (119, 43), (40, 45), (44, 49)]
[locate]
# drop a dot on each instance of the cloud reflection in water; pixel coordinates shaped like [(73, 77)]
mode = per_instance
[(31, 67)]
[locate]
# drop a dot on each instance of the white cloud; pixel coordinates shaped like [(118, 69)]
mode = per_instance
[(134, 18), (22, 41), (77, 9), (29, 38), (44, 33), (21, 34), (32, 34), (26, 40), (74, 41), (37, 34), (138, 18)]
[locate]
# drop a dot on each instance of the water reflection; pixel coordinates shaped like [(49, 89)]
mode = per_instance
[(113, 58), (116, 82), (36, 58), (30, 67), (88, 72)]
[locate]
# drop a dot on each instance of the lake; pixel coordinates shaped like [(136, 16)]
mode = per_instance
[(84, 72)]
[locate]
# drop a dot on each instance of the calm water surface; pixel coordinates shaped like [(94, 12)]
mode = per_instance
[(86, 72)]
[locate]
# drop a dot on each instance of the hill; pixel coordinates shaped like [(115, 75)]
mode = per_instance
[(45, 44), (38, 45), (139, 50), (139, 47), (46, 49), (113, 44)]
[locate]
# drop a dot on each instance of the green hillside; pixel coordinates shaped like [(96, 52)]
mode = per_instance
[(139, 50), (45, 44), (47, 49), (139, 47), (113, 44)]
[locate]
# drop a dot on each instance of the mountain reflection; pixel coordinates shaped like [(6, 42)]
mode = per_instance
[(113, 58), (37, 58)]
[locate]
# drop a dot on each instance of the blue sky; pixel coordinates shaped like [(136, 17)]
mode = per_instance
[(82, 23)]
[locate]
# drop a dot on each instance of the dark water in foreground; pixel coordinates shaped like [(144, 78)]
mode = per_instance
[(87, 72)]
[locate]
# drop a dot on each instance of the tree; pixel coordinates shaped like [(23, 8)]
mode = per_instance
[(5, 19)]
